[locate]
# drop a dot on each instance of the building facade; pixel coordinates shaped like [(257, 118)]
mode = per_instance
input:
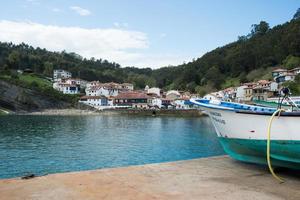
[(59, 74)]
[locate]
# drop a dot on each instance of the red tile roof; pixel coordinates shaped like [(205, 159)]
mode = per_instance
[(132, 95), (92, 97)]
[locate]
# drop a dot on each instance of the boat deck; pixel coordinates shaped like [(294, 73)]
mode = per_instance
[(206, 178)]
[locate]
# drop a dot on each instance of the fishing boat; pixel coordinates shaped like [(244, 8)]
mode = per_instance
[(243, 132)]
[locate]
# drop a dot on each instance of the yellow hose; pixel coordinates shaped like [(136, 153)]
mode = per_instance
[(269, 144)]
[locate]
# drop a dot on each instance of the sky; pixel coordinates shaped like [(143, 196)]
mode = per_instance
[(140, 33)]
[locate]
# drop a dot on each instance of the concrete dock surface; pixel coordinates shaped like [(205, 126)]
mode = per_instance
[(206, 178)]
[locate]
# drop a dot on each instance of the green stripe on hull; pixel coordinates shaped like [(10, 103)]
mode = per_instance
[(284, 153)]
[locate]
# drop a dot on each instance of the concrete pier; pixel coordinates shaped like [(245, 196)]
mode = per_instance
[(207, 178)]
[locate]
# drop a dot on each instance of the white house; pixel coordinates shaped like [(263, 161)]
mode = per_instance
[(172, 94), (273, 86), (180, 104), (67, 88), (211, 96), (59, 74), (94, 101), (101, 90), (127, 86), (155, 102), (95, 88), (241, 93), (153, 90)]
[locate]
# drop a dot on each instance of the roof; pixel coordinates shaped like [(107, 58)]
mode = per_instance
[(127, 84), (173, 92), (249, 84), (279, 70), (132, 95), (93, 97), (67, 85), (264, 82)]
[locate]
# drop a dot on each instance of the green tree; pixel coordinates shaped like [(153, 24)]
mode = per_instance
[(291, 62), (297, 14), (48, 68), (14, 59), (260, 29)]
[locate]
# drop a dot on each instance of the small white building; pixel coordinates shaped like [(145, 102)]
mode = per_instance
[(127, 86), (153, 90), (155, 102), (94, 101), (273, 86), (59, 74), (67, 88), (241, 93), (172, 94), (211, 96), (180, 104)]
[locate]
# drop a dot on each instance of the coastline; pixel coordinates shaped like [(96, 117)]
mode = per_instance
[(136, 112)]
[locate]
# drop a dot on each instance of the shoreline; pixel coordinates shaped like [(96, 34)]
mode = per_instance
[(136, 112)]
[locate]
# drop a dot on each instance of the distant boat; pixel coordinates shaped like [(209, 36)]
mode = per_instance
[(242, 130)]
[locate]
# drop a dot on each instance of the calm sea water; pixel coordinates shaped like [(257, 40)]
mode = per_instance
[(51, 144)]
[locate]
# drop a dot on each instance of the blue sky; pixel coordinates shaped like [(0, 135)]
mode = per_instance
[(139, 33)]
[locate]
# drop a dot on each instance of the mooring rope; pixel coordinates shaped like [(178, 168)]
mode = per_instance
[(269, 145)]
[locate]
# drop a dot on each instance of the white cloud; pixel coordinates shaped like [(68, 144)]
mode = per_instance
[(116, 45), (80, 11), (112, 44)]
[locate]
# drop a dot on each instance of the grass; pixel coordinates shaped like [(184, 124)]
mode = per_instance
[(31, 78), (232, 82)]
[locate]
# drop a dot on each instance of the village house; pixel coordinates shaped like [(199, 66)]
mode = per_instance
[(155, 102), (229, 93), (153, 90), (96, 88), (166, 103), (211, 96), (245, 92), (67, 88), (264, 89), (283, 75), (59, 74), (181, 103), (127, 86), (69, 85), (172, 94), (132, 99), (94, 101)]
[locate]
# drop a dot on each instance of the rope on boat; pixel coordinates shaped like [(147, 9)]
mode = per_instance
[(269, 145)]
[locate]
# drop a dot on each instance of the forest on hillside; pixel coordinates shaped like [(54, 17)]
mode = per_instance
[(249, 58)]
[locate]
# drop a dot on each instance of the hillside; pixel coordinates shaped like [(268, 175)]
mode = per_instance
[(30, 92), (249, 58)]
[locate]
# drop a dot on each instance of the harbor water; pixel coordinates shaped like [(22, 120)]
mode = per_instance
[(52, 144)]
